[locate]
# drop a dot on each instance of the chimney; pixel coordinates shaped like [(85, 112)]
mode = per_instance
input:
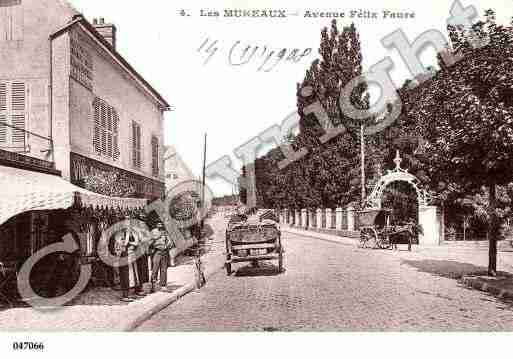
[(108, 31)]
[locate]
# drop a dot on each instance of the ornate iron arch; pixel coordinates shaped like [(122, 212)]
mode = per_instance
[(397, 174)]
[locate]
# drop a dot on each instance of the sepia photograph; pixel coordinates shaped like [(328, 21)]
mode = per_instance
[(256, 178)]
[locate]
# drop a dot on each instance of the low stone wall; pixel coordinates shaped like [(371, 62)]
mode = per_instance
[(339, 219), (346, 220)]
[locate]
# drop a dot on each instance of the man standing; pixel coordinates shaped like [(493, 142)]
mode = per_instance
[(160, 246), (120, 245), (126, 245), (142, 260)]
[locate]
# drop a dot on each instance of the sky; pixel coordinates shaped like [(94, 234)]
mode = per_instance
[(232, 104)]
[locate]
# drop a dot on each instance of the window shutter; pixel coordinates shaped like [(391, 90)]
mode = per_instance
[(134, 144), (103, 122), (18, 136), (139, 157), (3, 113), (109, 132), (106, 130), (18, 107), (155, 155), (115, 131), (97, 127)]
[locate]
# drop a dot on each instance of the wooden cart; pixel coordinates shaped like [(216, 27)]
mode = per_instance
[(253, 242)]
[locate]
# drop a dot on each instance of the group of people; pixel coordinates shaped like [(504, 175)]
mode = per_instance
[(132, 244)]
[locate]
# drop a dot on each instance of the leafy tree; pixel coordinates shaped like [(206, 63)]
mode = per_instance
[(455, 132), (326, 176), (470, 108)]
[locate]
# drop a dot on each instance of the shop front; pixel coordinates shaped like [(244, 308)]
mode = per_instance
[(40, 209)]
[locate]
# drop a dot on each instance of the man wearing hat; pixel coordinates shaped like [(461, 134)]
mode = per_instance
[(127, 243), (160, 246), (142, 260)]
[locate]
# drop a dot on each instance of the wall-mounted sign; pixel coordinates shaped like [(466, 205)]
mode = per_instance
[(111, 181), (81, 61)]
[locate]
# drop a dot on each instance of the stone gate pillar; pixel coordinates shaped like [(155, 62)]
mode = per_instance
[(329, 218), (339, 212), (304, 219), (319, 218), (430, 219), (311, 218), (351, 218), (441, 220)]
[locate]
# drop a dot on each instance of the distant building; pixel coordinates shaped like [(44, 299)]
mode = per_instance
[(188, 200), (225, 201), (176, 170)]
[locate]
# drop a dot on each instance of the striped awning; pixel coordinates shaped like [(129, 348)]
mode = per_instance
[(22, 191)]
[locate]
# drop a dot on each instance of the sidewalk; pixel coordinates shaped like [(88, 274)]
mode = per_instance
[(322, 236), (459, 246), (468, 265), (116, 316)]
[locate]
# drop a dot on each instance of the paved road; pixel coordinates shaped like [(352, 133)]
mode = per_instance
[(330, 286)]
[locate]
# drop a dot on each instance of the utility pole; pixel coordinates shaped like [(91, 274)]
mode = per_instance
[(203, 181), (198, 271), (234, 193), (362, 150)]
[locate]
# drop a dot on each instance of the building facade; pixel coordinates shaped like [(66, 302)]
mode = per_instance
[(81, 131), (69, 98)]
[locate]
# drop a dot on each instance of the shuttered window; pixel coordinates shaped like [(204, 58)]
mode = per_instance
[(106, 130), (136, 145), (3, 114), (18, 113), (155, 156), (13, 116)]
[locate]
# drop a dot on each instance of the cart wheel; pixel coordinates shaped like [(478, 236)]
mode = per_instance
[(228, 269), (384, 243), (368, 238)]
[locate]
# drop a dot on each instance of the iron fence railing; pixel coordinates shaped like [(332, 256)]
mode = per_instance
[(30, 143)]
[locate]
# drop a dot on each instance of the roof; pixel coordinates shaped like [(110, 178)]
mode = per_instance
[(24, 191), (91, 30)]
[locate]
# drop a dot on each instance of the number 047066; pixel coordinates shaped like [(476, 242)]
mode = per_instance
[(27, 346)]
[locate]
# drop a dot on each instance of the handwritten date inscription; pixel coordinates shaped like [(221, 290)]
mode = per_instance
[(265, 58)]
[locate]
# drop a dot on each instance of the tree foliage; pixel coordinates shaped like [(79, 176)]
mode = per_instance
[(455, 132)]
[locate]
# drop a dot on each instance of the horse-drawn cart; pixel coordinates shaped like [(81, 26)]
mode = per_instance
[(376, 231), (253, 241)]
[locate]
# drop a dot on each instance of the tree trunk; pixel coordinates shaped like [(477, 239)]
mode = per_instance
[(362, 155), (492, 231)]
